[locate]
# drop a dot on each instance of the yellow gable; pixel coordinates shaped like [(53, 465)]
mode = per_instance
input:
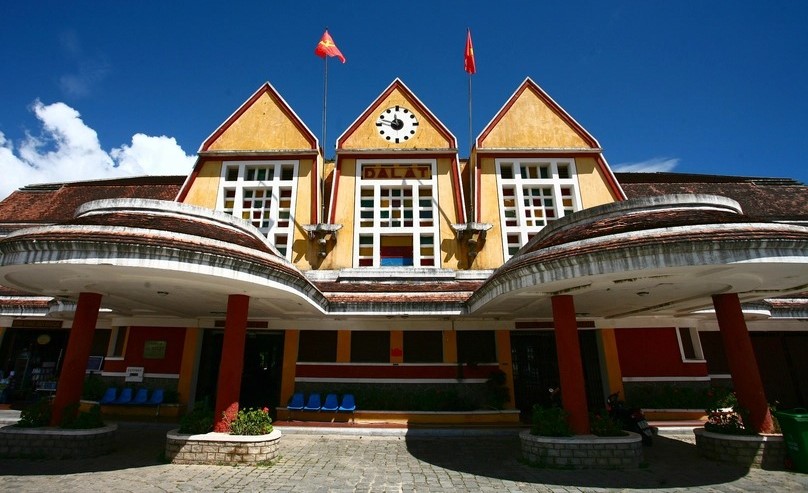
[(366, 134), (265, 124), (532, 122)]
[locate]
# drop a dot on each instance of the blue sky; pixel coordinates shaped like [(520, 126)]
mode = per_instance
[(95, 89)]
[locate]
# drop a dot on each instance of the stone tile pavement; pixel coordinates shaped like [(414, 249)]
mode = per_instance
[(334, 460)]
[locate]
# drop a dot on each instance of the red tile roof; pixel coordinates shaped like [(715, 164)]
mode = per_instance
[(772, 199), (54, 203)]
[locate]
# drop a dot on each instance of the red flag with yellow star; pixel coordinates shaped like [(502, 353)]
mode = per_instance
[(470, 65), (326, 47)]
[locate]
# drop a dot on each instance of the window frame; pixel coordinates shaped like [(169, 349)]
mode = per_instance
[(273, 186), (415, 233), (520, 183)]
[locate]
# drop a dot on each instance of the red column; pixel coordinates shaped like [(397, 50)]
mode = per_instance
[(742, 363), (232, 363), (79, 345), (570, 367)]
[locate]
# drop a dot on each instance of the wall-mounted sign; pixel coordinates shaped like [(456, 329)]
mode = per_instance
[(154, 350), (396, 172), (134, 374)]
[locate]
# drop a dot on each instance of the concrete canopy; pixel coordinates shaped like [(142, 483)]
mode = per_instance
[(647, 257), (156, 258)]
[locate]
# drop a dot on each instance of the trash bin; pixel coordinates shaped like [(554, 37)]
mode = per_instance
[(794, 424)]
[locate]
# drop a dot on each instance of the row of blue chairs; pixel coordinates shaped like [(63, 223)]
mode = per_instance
[(129, 397), (331, 403)]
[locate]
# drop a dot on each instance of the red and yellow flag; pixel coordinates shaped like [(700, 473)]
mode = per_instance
[(326, 47), (470, 64)]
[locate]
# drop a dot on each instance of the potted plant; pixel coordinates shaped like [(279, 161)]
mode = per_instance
[(80, 434), (726, 438), (551, 442), (244, 436)]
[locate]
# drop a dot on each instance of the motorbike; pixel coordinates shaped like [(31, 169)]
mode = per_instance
[(631, 419)]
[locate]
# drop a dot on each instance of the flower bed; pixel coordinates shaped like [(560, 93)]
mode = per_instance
[(583, 451), (221, 448), (56, 443), (757, 451)]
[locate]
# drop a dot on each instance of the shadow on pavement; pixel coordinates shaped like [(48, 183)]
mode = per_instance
[(669, 463), (137, 445)]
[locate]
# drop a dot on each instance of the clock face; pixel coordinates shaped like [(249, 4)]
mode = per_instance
[(397, 124)]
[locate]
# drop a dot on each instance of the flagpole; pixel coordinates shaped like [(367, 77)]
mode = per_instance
[(473, 172), (321, 212)]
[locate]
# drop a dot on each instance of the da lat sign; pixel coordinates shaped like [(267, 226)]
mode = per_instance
[(396, 172)]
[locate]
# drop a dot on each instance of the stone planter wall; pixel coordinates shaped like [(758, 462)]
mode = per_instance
[(221, 448), (758, 451), (56, 443), (583, 451)]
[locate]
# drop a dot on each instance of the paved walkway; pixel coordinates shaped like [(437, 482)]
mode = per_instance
[(320, 460)]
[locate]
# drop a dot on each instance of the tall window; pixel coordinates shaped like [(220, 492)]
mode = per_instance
[(532, 193), (396, 214), (263, 193)]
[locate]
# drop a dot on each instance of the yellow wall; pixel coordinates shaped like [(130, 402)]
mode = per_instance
[(592, 184), (490, 255), (290, 345), (344, 346), (366, 136), (396, 346), (262, 126), (205, 187), (530, 123), (304, 252), (193, 339), (342, 254), (449, 346), (610, 360), (504, 359)]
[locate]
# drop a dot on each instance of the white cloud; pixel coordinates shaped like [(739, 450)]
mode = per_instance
[(69, 150), (656, 164)]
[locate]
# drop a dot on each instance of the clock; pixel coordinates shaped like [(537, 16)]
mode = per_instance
[(397, 124)]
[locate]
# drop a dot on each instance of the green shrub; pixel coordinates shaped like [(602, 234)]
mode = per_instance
[(665, 395), (603, 425), (725, 415), (74, 419), (550, 422), (94, 388), (199, 420), (497, 390), (36, 415), (251, 422), (171, 396)]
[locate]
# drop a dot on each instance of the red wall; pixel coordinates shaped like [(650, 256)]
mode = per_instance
[(653, 353), (137, 337), (326, 370)]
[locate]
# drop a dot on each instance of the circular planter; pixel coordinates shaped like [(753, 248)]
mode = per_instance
[(583, 451), (758, 451), (221, 448), (56, 443)]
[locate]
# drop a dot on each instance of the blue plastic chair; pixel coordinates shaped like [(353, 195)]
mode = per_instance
[(140, 397), (109, 396), (331, 403), (313, 404), (124, 398), (348, 404), (297, 402), (156, 398)]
